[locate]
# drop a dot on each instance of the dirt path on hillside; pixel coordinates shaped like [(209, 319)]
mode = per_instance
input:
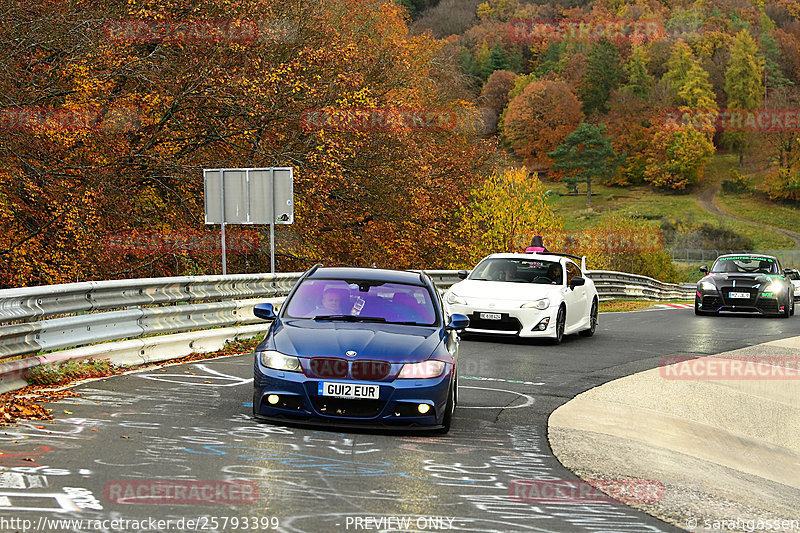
[(706, 199)]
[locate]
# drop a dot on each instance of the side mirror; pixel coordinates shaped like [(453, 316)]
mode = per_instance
[(462, 274), (577, 281), (265, 311), (704, 269), (458, 322)]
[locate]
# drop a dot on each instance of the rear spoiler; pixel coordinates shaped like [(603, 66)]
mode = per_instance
[(582, 259)]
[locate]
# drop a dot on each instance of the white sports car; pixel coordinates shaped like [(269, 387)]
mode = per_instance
[(794, 278), (540, 294)]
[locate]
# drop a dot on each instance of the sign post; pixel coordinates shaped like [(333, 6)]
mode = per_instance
[(249, 196)]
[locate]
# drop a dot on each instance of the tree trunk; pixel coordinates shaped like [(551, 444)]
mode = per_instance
[(588, 193)]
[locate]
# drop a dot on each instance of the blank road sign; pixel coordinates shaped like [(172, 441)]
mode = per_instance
[(245, 195)]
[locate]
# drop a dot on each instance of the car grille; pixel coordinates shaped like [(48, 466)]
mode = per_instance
[(738, 302), (711, 302), (329, 367), (345, 407), (768, 306), (506, 323), (333, 368), (369, 370)]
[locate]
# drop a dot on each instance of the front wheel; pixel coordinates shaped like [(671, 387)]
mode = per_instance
[(787, 309), (592, 321), (697, 310), (561, 322), (449, 409)]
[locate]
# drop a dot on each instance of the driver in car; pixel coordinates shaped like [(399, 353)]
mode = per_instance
[(331, 303), (554, 273)]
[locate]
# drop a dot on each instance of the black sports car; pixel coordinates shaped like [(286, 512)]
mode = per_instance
[(747, 283)]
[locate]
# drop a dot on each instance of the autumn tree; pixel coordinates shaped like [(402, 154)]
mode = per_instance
[(162, 109), (585, 155), (679, 64), (639, 80), (677, 157), (505, 211), (539, 119), (743, 85), (603, 74)]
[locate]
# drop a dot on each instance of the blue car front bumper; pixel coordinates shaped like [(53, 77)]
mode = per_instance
[(397, 405)]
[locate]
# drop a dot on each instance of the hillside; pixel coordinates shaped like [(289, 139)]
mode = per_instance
[(407, 122)]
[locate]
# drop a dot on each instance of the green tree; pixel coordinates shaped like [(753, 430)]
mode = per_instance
[(482, 58), (678, 65), (584, 155), (603, 74), (696, 91), (498, 60), (639, 79), (743, 84)]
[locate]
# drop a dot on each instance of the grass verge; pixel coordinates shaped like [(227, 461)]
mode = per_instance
[(616, 306)]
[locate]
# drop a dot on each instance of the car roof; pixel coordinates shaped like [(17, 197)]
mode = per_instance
[(754, 255), (369, 274), (529, 256)]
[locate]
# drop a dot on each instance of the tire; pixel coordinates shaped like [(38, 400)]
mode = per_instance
[(787, 311), (561, 322), (449, 408), (698, 312), (592, 320)]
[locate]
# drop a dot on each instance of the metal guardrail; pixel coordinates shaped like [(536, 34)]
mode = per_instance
[(161, 318), (619, 285), (788, 258)]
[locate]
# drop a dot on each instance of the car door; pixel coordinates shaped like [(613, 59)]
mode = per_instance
[(576, 300)]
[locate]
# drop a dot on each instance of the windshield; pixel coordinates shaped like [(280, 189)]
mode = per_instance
[(744, 264), (793, 275), (362, 301), (519, 271)]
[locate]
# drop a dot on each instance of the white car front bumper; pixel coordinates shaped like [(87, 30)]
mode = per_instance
[(516, 321)]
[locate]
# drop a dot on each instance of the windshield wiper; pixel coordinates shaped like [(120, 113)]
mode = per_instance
[(350, 318), (407, 323)]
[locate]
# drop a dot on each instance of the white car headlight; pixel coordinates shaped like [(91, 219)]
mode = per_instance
[(279, 361), (453, 298), (707, 286), (544, 303)]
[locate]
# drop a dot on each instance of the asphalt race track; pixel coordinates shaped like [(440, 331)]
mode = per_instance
[(193, 423)]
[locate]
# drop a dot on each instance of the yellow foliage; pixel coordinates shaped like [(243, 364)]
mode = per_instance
[(506, 211)]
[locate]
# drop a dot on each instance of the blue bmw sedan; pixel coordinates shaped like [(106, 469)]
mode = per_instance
[(359, 346)]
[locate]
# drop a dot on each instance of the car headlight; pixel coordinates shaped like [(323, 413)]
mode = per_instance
[(707, 286), (453, 298), (279, 361), (774, 285), (423, 370), (544, 303)]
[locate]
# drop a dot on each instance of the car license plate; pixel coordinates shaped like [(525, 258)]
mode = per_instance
[(739, 295), (491, 316), (349, 390)]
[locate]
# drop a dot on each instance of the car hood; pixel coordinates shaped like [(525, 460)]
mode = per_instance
[(504, 290), (753, 279), (386, 342)]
